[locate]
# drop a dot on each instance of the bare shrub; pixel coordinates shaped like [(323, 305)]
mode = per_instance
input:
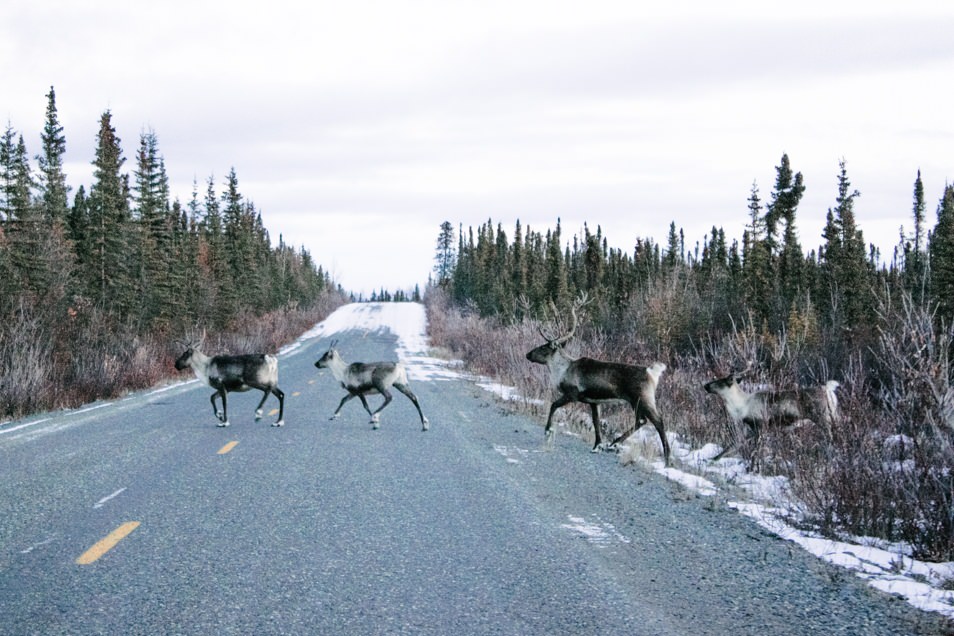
[(844, 484), (687, 408), (915, 391), (90, 356), (26, 370), (888, 470)]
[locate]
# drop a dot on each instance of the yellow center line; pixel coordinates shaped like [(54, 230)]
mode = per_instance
[(311, 381), (296, 394), (108, 543), (273, 412), (227, 448)]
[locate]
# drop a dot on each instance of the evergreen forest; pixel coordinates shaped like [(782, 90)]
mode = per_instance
[(97, 284)]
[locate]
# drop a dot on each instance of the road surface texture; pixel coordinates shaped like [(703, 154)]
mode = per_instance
[(143, 517)]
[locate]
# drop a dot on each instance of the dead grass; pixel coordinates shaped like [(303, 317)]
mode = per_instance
[(89, 357)]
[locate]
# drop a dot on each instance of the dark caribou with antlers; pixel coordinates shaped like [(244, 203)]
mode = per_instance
[(595, 382)]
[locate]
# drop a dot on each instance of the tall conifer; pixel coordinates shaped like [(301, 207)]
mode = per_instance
[(107, 238), (942, 257), (54, 192)]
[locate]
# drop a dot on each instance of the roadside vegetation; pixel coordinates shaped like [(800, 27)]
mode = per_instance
[(96, 285), (880, 326)]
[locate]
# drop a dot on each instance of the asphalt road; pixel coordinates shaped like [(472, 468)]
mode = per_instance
[(330, 527)]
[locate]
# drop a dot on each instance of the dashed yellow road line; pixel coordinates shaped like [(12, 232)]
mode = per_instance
[(107, 543), (296, 394), (311, 381), (227, 448), (273, 412)]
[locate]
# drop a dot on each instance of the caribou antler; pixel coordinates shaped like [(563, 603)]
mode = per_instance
[(581, 301), (749, 368), (190, 339)]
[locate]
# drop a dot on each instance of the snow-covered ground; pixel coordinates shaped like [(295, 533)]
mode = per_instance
[(886, 567)]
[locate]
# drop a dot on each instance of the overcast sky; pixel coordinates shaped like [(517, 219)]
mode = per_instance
[(358, 127)]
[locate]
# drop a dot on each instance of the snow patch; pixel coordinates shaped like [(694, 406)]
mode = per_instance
[(600, 534)]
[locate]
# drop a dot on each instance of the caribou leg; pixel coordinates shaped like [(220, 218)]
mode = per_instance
[(406, 390), (595, 412), (224, 414)]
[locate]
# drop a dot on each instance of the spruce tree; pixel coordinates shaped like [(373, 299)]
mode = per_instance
[(107, 240), (25, 227), (503, 295), (673, 253), (915, 261), (219, 302), (518, 260), (759, 285), (845, 266), (54, 192), (593, 262), (77, 225), (239, 229), (789, 188), (444, 258), (941, 250), (18, 182), (8, 148), (556, 283), (155, 288)]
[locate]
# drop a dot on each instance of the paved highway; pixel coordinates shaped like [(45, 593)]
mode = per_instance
[(143, 517)]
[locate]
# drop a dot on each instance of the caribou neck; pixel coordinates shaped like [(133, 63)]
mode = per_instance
[(200, 365), (558, 363), (339, 368)]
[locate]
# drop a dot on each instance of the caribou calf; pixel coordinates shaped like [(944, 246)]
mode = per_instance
[(367, 378), (819, 404), (227, 373), (594, 382)]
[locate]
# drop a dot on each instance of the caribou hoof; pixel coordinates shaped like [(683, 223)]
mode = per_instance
[(279, 423), (258, 415), (375, 425), (548, 441), (223, 424), (220, 415)]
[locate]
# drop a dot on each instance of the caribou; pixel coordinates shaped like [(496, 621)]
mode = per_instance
[(595, 382), (239, 373), (368, 378), (817, 404)]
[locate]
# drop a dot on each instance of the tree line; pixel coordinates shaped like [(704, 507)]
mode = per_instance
[(827, 296), (123, 260)]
